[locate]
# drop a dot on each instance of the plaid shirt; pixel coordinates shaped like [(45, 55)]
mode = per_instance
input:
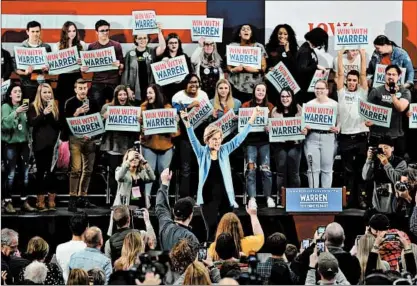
[(264, 269)]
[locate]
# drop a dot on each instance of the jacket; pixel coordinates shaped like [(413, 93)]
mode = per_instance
[(10, 131), (306, 66), (220, 112), (130, 76), (90, 258), (124, 186), (169, 231), (204, 162), (340, 279), (348, 264), (400, 58)]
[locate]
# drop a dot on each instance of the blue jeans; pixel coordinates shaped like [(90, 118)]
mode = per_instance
[(321, 146), (17, 153), (157, 161), (252, 157)]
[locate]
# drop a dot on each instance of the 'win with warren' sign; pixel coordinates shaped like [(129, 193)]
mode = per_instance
[(198, 114), (280, 77), (260, 121), (210, 28), (318, 116), (285, 129), (227, 123), (245, 56), (170, 71), (350, 38), (144, 22), (87, 125), (123, 118), (159, 121), (63, 61), (26, 57), (377, 114), (99, 60)]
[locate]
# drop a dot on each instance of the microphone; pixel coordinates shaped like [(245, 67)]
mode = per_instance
[(310, 162)]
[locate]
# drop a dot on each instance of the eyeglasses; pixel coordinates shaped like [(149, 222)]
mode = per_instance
[(104, 31), (209, 44)]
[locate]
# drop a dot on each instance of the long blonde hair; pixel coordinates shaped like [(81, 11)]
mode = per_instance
[(39, 106), (231, 224), (230, 103), (364, 247), (196, 274), (132, 247)]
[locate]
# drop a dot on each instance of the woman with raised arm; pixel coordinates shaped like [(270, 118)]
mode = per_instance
[(215, 188)]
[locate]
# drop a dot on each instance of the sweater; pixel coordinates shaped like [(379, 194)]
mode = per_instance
[(45, 129), (10, 131), (159, 142)]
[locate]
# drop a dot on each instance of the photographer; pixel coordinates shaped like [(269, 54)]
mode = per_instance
[(385, 170)]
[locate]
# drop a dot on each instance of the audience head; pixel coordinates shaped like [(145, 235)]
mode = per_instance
[(230, 269), (9, 241), (78, 277), (213, 137), (174, 45), (223, 93), (352, 80), (93, 237), (210, 56), (231, 224), (328, 266), (377, 223), (321, 89), (102, 29), (245, 33), (81, 88), (155, 97), (97, 276), (183, 254), (280, 275), (259, 96), (120, 96), (335, 235), (228, 281), (135, 163), (383, 45), (44, 97), (69, 34), (291, 252), (78, 223), (33, 30), (392, 74), (35, 272), (37, 249), (132, 248), (318, 38), (225, 247), (286, 101), (191, 84), (121, 216), (183, 210), (196, 274), (387, 146), (282, 34), (14, 94), (141, 40), (276, 244)]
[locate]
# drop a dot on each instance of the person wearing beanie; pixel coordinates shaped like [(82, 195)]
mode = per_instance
[(215, 192), (384, 169)]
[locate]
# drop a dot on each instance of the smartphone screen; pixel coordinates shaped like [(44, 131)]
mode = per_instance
[(391, 236), (321, 229), (26, 101), (202, 253), (305, 243), (320, 246)]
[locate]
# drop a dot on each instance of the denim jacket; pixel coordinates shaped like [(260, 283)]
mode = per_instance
[(400, 58), (204, 162), (90, 258)]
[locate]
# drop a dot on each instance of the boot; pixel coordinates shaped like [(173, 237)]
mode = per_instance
[(40, 203), (83, 202), (72, 204), (9, 208), (51, 202)]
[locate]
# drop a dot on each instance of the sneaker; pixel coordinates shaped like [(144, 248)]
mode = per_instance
[(252, 203), (270, 202)]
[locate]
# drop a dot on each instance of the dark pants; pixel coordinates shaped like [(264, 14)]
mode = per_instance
[(17, 153), (187, 161), (101, 92), (212, 212), (43, 160), (65, 88), (399, 144), (29, 92), (287, 161), (114, 161), (353, 152)]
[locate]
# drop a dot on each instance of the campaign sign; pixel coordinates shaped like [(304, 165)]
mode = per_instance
[(5, 86), (313, 200), (245, 56), (63, 61), (144, 22), (280, 77), (123, 118), (318, 75), (260, 121), (318, 116), (379, 77), (227, 123), (87, 125), (170, 71), (413, 117), (377, 114), (159, 121), (26, 57), (350, 38), (285, 129), (99, 60), (198, 114), (210, 28)]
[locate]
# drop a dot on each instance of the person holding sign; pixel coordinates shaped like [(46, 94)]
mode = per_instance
[(353, 131), (257, 149), (215, 188), (116, 143), (70, 37), (137, 74), (396, 97), (29, 86), (43, 116), (319, 145), (307, 61), (388, 53), (82, 150), (105, 82), (351, 60), (157, 149), (15, 137), (207, 65), (223, 100), (287, 155), (244, 78), (172, 50)]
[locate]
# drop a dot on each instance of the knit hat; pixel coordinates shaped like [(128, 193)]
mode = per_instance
[(183, 208), (210, 131), (328, 264), (386, 140), (379, 222)]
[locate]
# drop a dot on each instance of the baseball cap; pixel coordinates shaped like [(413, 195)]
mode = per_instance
[(327, 263), (183, 208), (386, 140), (379, 222)]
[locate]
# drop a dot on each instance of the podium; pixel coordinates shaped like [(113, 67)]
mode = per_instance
[(307, 222)]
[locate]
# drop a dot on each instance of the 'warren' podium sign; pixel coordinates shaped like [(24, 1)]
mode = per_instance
[(313, 200)]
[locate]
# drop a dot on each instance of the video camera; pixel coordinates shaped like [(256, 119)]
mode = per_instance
[(251, 277), (402, 186), (151, 262), (376, 151)]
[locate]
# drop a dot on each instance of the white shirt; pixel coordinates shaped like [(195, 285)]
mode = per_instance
[(350, 121), (347, 65), (55, 47), (185, 99), (64, 252)]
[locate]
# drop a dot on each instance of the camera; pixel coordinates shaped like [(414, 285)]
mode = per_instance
[(382, 191), (136, 146), (149, 263), (138, 213), (401, 186), (376, 151), (391, 86), (306, 243), (251, 277)]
